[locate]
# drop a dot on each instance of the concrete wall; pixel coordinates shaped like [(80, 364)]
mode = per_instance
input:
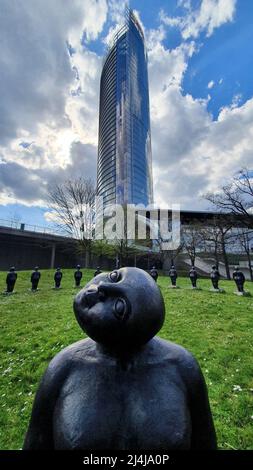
[(25, 252)]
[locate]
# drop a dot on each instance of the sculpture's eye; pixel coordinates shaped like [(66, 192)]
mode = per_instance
[(114, 276), (120, 308)]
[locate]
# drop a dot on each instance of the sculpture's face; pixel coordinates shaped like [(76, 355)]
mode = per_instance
[(122, 308)]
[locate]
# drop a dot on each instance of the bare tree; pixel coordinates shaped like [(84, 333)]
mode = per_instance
[(72, 206), (236, 198), (192, 239), (245, 238), (165, 255), (217, 235)]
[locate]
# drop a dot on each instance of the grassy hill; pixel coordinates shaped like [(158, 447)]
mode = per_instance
[(216, 328)]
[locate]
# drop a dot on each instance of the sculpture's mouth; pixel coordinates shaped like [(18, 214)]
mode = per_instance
[(96, 293)]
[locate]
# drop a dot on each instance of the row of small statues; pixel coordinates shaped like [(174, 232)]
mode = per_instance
[(238, 277), (36, 275)]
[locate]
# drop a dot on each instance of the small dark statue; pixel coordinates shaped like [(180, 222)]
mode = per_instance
[(35, 277), (154, 273), (215, 277), (57, 278), (173, 275), (122, 388), (97, 271), (11, 280), (239, 279), (193, 277), (78, 275)]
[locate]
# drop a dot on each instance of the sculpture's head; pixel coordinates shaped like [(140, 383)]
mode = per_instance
[(12, 269), (122, 309), (36, 268), (78, 267)]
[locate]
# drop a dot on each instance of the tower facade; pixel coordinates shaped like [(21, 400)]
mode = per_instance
[(124, 169)]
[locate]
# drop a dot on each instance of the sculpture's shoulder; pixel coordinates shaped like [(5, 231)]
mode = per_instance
[(74, 352), (61, 365), (178, 356)]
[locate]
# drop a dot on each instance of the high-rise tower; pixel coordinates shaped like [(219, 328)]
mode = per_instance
[(124, 170)]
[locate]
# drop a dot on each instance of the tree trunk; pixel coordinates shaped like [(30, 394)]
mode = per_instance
[(216, 256), (86, 257), (225, 258), (89, 253), (121, 254), (250, 266), (192, 258)]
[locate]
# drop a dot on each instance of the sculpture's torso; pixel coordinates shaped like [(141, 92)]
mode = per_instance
[(90, 397), (105, 403)]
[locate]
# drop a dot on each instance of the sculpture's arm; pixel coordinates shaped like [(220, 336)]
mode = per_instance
[(203, 432), (40, 430)]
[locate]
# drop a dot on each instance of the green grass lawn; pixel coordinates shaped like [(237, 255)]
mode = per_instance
[(216, 328)]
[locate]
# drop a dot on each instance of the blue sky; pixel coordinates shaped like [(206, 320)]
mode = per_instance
[(227, 56), (201, 96)]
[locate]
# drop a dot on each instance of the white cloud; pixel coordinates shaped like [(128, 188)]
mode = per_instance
[(166, 68), (28, 184), (117, 16), (192, 152), (237, 99), (35, 68), (49, 97), (51, 217), (155, 37), (184, 4), (53, 105), (169, 20), (210, 15), (211, 84)]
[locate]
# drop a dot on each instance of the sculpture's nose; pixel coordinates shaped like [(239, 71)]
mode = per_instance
[(99, 292), (91, 295)]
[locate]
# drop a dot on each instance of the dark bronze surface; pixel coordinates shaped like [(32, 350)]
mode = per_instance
[(122, 388)]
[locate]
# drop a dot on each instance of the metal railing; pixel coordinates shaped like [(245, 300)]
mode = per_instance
[(46, 230)]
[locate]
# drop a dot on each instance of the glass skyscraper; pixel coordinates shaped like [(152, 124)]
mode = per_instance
[(124, 170)]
